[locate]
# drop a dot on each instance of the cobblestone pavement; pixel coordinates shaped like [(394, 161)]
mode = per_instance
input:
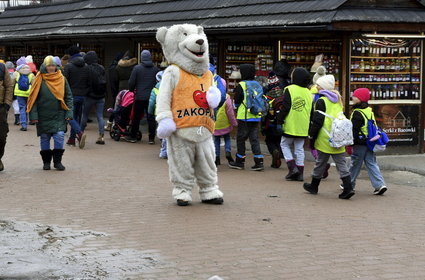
[(267, 228)]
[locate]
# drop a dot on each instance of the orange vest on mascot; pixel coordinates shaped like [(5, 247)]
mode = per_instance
[(189, 102)]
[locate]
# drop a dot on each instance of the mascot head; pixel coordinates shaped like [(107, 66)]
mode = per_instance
[(185, 45)]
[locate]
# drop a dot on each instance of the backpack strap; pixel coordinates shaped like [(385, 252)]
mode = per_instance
[(329, 116)]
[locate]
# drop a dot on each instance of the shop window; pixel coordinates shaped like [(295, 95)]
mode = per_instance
[(389, 68), (252, 53), (305, 54)]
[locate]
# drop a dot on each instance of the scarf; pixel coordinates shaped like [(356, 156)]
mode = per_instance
[(56, 84)]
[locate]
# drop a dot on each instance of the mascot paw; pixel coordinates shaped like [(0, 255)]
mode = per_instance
[(166, 127), (213, 97), (216, 201)]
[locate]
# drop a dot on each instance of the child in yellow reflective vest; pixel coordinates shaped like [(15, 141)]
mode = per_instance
[(360, 151), (224, 124)]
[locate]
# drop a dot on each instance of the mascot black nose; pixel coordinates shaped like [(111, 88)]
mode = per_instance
[(200, 42)]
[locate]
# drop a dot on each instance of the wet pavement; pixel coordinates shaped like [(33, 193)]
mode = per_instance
[(110, 215)]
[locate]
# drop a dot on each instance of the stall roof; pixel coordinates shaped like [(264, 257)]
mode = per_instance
[(106, 17)]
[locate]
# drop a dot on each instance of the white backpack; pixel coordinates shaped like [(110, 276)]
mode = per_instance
[(341, 133)]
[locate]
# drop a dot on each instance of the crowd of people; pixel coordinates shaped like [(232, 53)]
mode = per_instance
[(63, 92)]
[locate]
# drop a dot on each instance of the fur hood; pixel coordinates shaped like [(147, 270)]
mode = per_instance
[(127, 62), (25, 70)]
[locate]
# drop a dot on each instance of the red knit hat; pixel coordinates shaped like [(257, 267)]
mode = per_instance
[(363, 94)]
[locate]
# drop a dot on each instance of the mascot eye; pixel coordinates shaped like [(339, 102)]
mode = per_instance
[(185, 34)]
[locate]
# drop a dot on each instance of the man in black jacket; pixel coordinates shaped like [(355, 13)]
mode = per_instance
[(77, 74), (142, 81)]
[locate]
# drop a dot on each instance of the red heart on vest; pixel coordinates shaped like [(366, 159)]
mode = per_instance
[(200, 99)]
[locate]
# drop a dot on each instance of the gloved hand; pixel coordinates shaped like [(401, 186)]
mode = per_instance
[(166, 127), (213, 97), (349, 150), (314, 153)]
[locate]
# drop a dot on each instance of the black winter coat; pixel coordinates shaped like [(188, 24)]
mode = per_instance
[(76, 73), (143, 80), (123, 70), (97, 76)]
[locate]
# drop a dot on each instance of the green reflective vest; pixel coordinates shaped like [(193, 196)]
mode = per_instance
[(243, 113), (322, 142), (297, 121), (366, 112), (222, 121), (19, 92)]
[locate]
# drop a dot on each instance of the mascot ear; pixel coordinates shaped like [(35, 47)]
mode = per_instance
[(200, 30), (160, 34)]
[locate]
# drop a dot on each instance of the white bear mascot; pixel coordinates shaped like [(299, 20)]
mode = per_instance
[(185, 113)]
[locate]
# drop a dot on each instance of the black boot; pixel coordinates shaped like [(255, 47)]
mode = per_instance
[(276, 159), (239, 163), (293, 171), (348, 188), (46, 156), (259, 166), (301, 173), (57, 159), (312, 188), (229, 157), (217, 161), (17, 122)]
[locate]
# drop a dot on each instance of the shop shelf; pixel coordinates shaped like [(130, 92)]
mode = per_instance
[(385, 73), (309, 51), (253, 54), (383, 83), (240, 61), (386, 57)]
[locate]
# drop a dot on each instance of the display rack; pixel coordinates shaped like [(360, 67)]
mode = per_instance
[(155, 50), (93, 47), (390, 69), (237, 53), (303, 54)]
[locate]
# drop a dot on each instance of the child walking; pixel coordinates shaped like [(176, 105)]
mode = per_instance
[(49, 107), (152, 111), (225, 121), (24, 78), (247, 122), (294, 118), (360, 151), (330, 103)]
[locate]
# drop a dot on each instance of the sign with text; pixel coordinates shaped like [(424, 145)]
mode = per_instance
[(400, 122)]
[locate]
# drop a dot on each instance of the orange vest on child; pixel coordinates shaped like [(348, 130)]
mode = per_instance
[(189, 102)]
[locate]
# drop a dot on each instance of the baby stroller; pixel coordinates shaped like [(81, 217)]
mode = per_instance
[(123, 116)]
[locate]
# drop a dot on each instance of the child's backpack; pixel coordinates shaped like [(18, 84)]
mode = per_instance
[(341, 133), (376, 139), (23, 82), (255, 102)]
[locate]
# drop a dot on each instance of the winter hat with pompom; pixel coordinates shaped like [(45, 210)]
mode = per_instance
[(21, 61), (49, 60), (326, 82), (28, 59), (321, 71)]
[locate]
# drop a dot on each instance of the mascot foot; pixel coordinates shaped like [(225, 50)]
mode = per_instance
[(181, 202), (216, 201)]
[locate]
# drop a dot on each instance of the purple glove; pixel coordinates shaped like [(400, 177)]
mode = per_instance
[(314, 153), (213, 97), (166, 127)]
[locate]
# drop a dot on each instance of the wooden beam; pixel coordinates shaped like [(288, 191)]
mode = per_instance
[(379, 27)]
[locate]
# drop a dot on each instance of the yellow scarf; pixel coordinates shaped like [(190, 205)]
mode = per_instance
[(56, 84)]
